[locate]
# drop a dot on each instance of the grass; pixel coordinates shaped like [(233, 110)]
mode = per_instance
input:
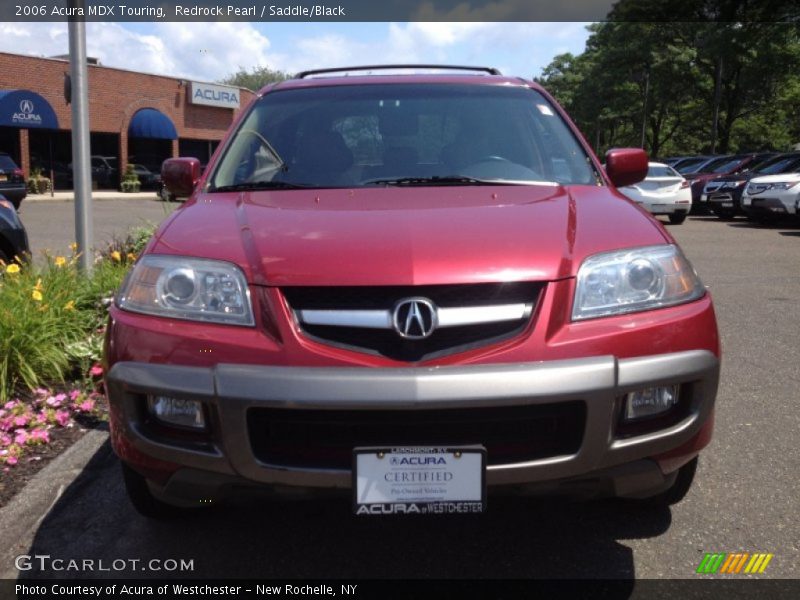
[(52, 317)]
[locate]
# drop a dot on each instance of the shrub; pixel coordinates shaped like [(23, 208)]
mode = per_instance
[(52, 317), (130, 180)]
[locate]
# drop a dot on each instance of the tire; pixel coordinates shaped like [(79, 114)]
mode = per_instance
[(143, 500), (678, 490), (677, 218)]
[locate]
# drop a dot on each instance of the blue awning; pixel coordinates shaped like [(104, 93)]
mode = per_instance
[(27, 110), (153, 124)]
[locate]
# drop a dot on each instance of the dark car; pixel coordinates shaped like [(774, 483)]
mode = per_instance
[(13, 238), (723, 195), (724, 165), (148, 180), (12, 181)]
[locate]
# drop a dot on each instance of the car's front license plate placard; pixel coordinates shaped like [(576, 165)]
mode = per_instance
[(419, 480)]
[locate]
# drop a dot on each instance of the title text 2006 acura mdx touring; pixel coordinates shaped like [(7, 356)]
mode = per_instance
[(415, 288)]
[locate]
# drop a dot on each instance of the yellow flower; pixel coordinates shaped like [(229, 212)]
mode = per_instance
[(73, 246), (37, 295), (70, 305), (116, 255), (12, 268), (60, 261), (131, 256)]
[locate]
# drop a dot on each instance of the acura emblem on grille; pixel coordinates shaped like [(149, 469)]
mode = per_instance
[(414, 318)]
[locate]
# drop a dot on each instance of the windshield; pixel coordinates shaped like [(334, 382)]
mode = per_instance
[(721, 165), (401, 134), (691, 166), (783, 164), (661, 171)]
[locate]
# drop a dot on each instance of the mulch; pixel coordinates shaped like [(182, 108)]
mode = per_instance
[(38, 457)]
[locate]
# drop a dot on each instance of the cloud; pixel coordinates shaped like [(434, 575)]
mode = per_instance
[(211, 51), (191, 50)]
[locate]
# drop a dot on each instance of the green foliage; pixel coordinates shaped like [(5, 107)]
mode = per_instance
[(130, 180), (52, 316), (256, 78), (662, 76)]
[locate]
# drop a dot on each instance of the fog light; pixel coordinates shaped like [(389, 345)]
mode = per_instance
[(650, 402), (177, 411)]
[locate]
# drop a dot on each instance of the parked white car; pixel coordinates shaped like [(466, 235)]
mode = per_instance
[(663, 192), (772, 196)]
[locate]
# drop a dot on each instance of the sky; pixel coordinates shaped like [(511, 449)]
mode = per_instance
[(211, 51)]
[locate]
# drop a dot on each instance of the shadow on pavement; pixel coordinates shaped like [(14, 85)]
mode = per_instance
[(518, 538)]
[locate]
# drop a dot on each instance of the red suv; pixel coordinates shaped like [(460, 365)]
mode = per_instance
[(411, 288)]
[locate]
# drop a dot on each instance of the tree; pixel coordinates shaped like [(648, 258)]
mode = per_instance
[(255, 78)]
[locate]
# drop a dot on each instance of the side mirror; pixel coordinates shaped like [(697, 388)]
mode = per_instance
[(626, 166), (180, 175)]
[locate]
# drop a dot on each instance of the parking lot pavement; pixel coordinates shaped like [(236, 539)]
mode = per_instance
[(746, 497), (51, 224)]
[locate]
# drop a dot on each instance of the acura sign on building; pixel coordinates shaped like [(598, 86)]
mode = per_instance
[(209, 94)]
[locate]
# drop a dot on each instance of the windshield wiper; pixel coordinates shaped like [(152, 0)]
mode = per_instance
[(260, 185), (440, 180)]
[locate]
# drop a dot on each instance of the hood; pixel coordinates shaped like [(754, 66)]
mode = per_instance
[(776, 178), (408, 235)]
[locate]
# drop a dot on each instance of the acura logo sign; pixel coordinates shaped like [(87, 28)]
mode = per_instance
[(26, 106), (414, 318)]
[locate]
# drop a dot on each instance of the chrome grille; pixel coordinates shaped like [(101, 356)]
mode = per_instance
[(366, 318)]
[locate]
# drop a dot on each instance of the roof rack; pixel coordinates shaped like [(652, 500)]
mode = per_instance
[(489, 70)]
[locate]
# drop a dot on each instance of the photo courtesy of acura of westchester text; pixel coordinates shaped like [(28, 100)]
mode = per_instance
[(514, 280)]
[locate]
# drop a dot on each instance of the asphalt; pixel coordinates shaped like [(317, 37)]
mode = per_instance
[(746, 497)]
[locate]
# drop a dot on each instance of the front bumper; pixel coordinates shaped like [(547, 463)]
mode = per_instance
[(757, 206), (229, 391)]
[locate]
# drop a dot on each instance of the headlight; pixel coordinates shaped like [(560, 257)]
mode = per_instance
[(625, 281), (732, 184), (187, 288), (784, 185)]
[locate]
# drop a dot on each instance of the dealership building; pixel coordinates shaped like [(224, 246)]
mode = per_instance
[(133, 117)]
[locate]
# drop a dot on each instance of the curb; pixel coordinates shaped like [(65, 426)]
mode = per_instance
[(95, 198), (21, 517)]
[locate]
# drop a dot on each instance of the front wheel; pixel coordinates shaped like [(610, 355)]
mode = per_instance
[(143, 500), (678, 490), (677, 218)]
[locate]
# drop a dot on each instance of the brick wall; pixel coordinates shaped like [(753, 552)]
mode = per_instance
[(114, 97)]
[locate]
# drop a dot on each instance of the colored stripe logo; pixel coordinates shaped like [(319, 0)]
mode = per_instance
[(734, 563)]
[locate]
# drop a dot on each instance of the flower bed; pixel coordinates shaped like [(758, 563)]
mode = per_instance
[(52, 322)]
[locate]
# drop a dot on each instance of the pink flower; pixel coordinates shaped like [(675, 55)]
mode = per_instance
[(41, 392), (11, 460), (21, 420), (41, 435), (5, 424), (62, 418), (54, 401), (96, 371), (86, 406), (41, 418), (73, 395), (21, 436), (5, 440), (10, 405)]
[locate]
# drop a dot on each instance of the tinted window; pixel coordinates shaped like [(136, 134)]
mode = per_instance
[(662, 172), (6, 164), (691, 166), (355, 135), (779, 165), (721, 165)]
